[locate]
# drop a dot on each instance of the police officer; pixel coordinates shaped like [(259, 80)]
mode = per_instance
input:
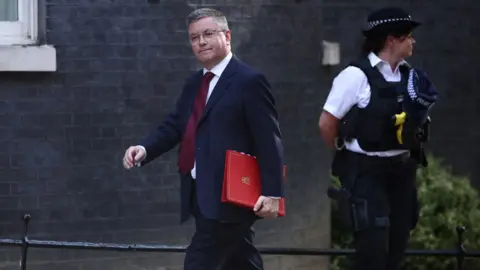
[(376, 120)]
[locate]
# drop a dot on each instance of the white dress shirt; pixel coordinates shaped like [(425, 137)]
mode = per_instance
[(351, 88)]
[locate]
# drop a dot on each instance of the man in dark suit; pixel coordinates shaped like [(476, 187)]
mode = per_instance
[(226, 105)]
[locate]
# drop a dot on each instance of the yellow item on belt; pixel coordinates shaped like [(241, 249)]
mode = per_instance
[(399, 120)]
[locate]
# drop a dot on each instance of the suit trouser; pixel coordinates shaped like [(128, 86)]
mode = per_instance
[(219, 245), (387, 185)]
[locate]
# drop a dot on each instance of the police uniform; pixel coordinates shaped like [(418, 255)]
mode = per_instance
[(379, 146)]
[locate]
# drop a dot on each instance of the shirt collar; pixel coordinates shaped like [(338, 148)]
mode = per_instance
[(220, 67), (375, 60)]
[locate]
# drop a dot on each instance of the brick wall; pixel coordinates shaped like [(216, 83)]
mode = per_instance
[(120, 69)]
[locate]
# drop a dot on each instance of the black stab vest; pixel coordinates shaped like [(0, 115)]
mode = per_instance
[(373, 126)]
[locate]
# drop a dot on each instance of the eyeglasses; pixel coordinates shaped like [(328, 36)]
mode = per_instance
[(207, 35)]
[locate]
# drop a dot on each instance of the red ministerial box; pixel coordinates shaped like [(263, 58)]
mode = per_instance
[(241, 184)]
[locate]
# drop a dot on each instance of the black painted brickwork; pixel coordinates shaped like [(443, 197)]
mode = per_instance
[(121, 65)]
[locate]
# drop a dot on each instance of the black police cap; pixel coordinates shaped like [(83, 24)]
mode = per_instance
[(389, 20)]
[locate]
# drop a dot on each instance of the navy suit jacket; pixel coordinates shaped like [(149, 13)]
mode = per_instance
[(239, 115)]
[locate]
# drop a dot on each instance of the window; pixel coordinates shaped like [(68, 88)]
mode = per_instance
[(19, 27), (18, 22)]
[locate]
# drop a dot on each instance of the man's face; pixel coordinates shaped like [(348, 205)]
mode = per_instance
[(209, 43), (403, 46)]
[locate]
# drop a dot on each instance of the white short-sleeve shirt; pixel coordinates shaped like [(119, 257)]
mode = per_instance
[(350, 88)]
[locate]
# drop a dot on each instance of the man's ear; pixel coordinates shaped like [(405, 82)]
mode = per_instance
[(228, 35)]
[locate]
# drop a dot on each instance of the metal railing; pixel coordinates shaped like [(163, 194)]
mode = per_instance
[(25, 243)]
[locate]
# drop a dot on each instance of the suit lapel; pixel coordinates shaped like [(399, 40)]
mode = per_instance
[(221, 87), (193, 87)]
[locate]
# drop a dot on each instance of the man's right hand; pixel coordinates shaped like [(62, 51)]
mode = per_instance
[(133, 155)]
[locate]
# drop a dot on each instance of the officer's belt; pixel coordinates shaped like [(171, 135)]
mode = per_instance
[(377, 160)]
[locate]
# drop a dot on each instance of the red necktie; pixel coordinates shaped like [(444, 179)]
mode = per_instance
[(186, 156)]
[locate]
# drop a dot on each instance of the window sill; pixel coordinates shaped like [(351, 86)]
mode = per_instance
[(28, 58)]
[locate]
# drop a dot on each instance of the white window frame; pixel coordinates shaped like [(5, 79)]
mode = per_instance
[(25, 30)]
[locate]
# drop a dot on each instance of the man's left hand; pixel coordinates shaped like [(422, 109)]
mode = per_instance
[(267, 207)]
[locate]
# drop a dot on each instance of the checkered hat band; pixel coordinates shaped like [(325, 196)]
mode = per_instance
[(373, 24)]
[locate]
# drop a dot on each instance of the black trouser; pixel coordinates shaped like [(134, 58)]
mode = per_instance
[(218, 245), (387, 185)]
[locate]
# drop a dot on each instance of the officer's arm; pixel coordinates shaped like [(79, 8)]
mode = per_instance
[(328, 125), (342, 97)]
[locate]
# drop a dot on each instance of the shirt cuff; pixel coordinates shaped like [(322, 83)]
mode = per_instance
[(333, 111)]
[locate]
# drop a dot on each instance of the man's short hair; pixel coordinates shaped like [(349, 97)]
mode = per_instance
[(216, 15)]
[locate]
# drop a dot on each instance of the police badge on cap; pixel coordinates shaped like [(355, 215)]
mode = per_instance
[(389, 20)]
